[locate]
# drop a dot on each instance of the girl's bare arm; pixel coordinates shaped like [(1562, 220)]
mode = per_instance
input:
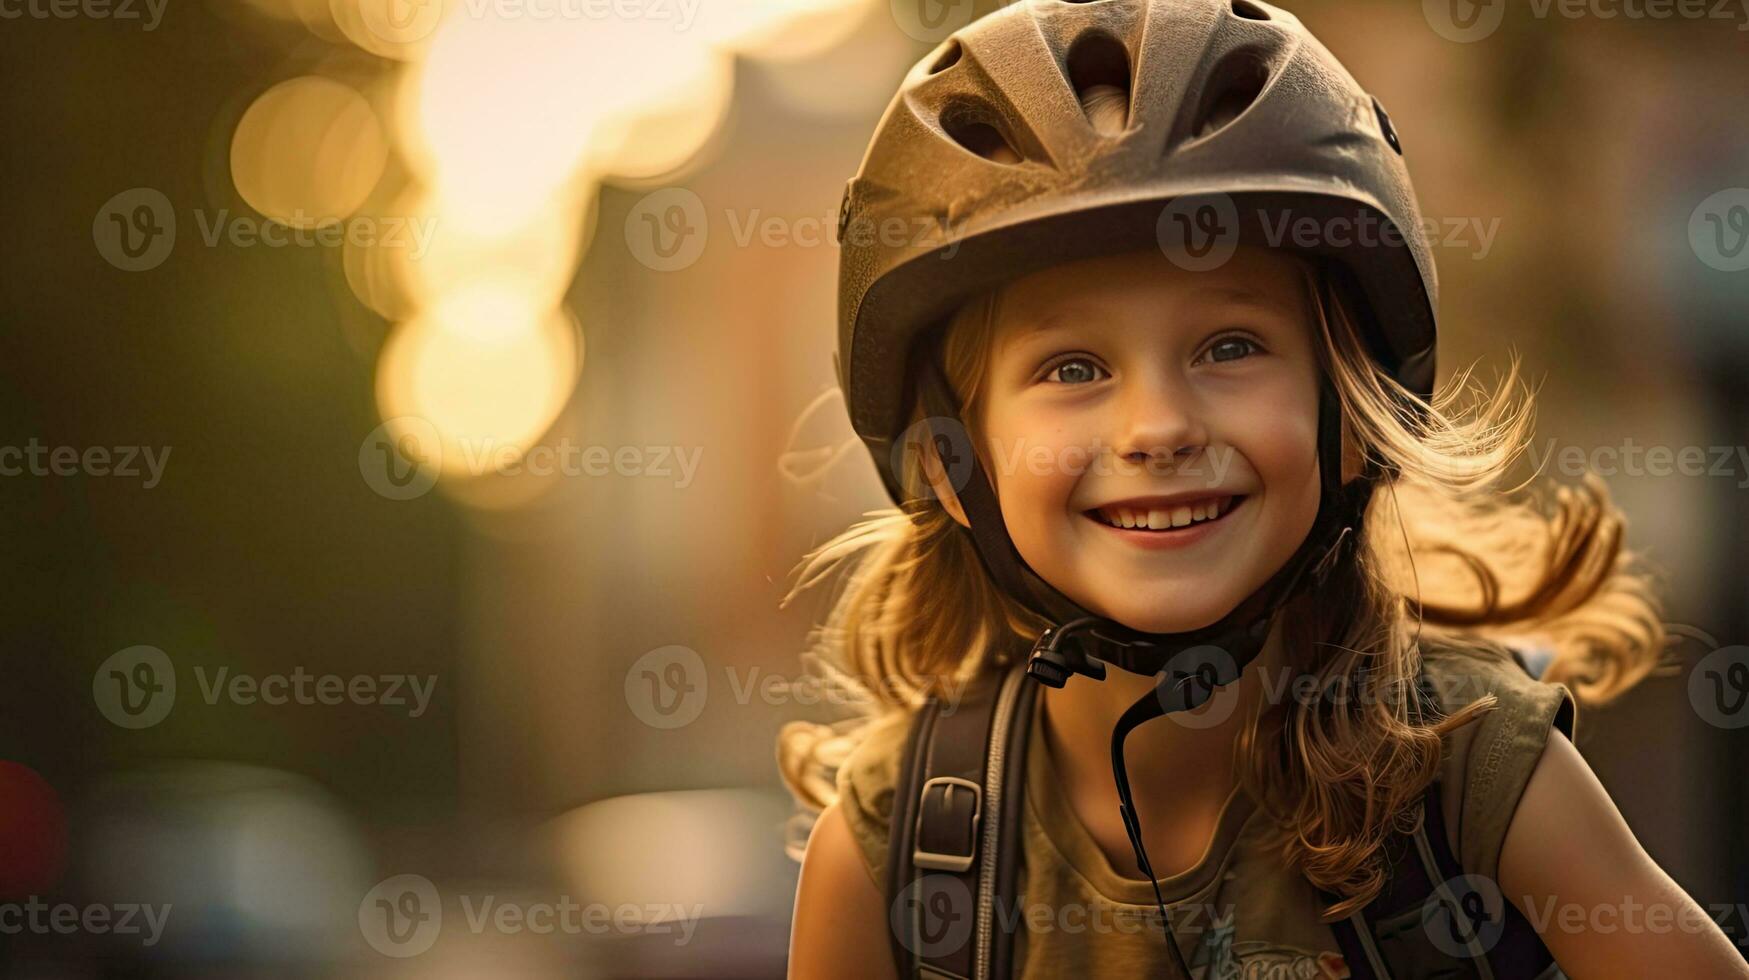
[(1601, 904), (839, 927)]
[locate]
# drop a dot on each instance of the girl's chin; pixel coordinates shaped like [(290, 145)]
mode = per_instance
[(1149, 618), (1155, 625)]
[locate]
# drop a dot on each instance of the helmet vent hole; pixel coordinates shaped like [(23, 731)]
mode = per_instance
[(950, 56), (1249, 10), (1232, 87), (1099, 69), (971, 126)]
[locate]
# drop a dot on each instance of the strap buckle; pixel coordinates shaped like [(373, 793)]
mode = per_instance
[(939, 810), (1056, 657)]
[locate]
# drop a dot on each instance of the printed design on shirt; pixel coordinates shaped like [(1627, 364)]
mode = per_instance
[(1220, 956)]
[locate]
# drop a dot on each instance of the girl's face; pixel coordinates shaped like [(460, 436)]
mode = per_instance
[(1153, 432)]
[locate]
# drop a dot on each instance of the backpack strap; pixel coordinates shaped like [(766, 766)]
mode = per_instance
[(1427, 894), (953, 844)]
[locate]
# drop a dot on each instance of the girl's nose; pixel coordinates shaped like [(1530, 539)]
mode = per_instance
[(1158, 419)]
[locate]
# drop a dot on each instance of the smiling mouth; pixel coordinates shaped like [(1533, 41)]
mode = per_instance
[(1165, 518)]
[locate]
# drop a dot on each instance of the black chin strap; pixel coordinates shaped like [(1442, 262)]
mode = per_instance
[(1188, 667)]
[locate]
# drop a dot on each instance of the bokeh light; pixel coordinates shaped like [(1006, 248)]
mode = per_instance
[(308, 152), (507, 123), (485, 366)]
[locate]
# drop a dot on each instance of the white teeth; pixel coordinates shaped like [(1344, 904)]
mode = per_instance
[(1164, 518)]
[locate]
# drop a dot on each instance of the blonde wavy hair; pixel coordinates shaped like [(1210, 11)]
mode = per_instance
[(1450, 554)]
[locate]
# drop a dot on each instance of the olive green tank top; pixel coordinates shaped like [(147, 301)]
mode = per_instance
[(1238, 912)]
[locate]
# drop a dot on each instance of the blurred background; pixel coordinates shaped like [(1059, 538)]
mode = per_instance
[(411, 413)]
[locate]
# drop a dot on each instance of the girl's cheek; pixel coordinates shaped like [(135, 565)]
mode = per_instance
[(1280, 422), (1286, 461), (1038, 453), (1030, 486)]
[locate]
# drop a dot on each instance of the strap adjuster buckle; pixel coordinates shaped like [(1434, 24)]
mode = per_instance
[(937, 799)]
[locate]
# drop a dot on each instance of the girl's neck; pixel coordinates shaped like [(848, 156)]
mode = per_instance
[(1171, 761)]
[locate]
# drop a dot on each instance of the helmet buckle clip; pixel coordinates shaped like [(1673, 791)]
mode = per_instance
[(1056, 657)]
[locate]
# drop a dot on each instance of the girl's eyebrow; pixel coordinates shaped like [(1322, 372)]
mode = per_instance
[(1053, 318), (1245, 296)]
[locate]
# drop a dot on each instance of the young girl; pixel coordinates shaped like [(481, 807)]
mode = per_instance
[(1145, 421)]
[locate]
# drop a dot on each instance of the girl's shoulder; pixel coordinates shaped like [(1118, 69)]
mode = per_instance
[(865, 783), (1488, 761)]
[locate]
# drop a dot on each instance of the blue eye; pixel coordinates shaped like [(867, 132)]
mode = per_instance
[(1076, 371)]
